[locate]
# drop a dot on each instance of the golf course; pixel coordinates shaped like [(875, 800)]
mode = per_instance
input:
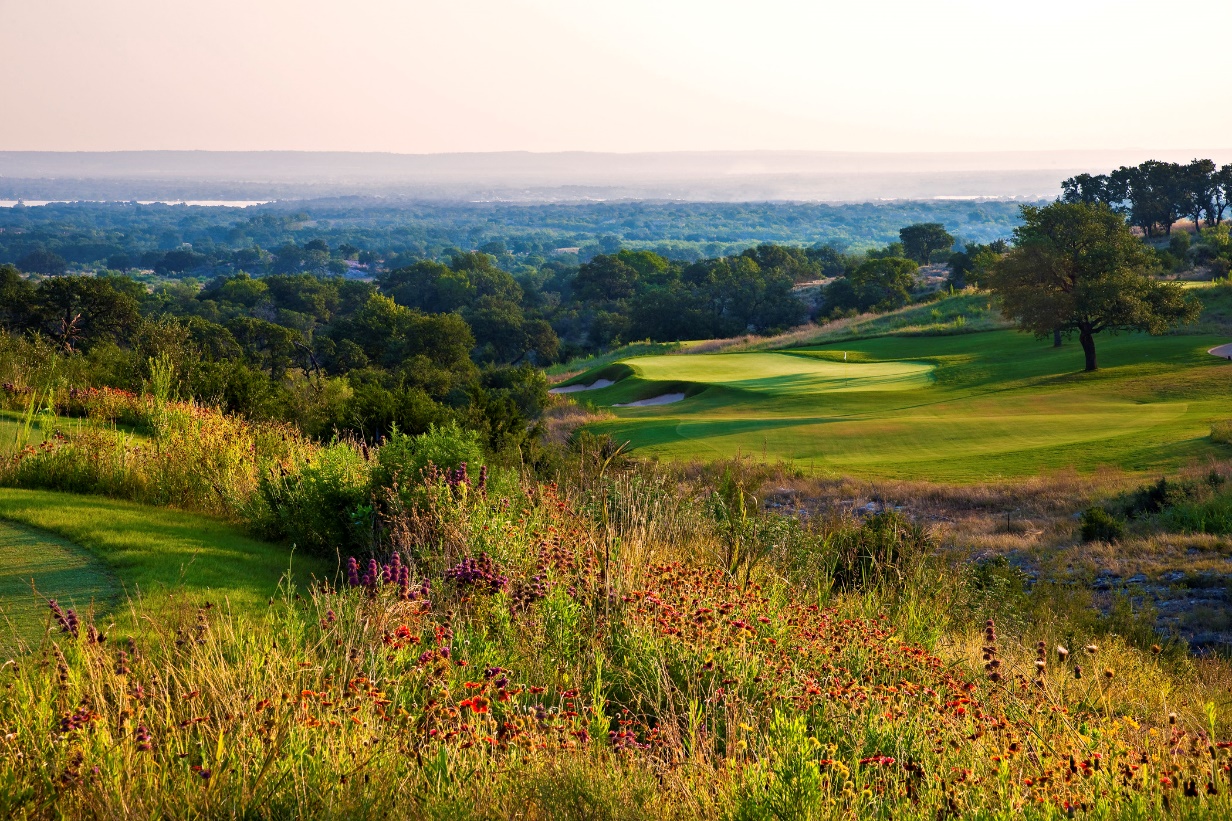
[(960, 408)]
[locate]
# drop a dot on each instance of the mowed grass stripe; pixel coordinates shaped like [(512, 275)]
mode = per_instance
[(151, 551), (36, 566)]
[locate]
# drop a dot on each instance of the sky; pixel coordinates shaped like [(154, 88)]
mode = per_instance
[(623, 75)]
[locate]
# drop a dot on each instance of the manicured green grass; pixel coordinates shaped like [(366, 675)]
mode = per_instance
[(35, 566), (134, 550), (954, 408), (13, 428)]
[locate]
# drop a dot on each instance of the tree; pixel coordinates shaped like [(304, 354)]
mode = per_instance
[(605, 278), (16, 296), (920, 240), (1089, 188), (1197, 190), (1077, 267), (971, 265), (884, 284), (41, 261), (79, 311), (1221, 193)]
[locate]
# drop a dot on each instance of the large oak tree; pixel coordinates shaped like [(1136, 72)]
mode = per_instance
[(1078, 268)]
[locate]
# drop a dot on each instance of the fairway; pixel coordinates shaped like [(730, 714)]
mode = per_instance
[(84, 548), (954, 408)]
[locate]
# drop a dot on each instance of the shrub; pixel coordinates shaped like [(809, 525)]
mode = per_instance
[(1098, 525), (405, 458), (1212, 514), (1221, 432), (325, 507), (883, 549)]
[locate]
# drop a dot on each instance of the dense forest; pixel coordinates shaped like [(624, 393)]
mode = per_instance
[(364, 234)]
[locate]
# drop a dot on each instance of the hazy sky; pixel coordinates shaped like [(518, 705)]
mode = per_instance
[(621, 75)]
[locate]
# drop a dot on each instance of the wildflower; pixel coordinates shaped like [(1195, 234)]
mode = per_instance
[(1062, 653), (1109, 673), (1091, 649), (481, 573)]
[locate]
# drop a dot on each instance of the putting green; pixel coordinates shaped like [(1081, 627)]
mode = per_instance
[(782, 374), (954, 408)]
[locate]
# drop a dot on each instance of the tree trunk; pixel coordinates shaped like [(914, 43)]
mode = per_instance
[(1056, 338), (1087, 340)]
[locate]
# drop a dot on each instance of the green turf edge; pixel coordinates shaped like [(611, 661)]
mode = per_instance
[(156, 551)]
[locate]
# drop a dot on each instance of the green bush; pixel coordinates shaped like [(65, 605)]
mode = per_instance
[(883, 549), (1210, 515), (1221, 432), (325, 508), (404, 459), (1098, 525)]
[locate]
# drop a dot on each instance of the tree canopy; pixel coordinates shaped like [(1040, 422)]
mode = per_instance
[(1077, 268), (922, 239)]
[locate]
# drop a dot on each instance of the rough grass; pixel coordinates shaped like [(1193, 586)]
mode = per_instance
[(147, 551), (617, 669)]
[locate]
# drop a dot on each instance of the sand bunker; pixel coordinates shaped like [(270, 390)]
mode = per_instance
[(665, 399), (594, 386), (1223, 351)]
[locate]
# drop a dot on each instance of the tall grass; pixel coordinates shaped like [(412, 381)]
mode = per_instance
[(548, 682), (187, 455)]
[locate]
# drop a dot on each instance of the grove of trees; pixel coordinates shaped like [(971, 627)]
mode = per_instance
[(1155, 194)]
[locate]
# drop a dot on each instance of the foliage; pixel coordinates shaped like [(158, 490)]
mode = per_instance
[(877, 284), (1098, 525), (886, 549), (922, 240), (1078, 268), (404, 459), (323, 508), (1155, 194), (562, 690)]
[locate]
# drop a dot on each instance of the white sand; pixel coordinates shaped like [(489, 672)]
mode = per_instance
[(665, 399), (594, 386), (1222, 351)]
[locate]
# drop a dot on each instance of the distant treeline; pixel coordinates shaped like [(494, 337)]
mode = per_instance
[(1154, 195), (281, 239)]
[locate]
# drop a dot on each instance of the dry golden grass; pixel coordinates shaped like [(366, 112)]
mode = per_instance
[(564, 416)]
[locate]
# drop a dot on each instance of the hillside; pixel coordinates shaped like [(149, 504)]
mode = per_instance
[(958, 407)]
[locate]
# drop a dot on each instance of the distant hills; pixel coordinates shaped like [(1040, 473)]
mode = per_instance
[(718, 176)]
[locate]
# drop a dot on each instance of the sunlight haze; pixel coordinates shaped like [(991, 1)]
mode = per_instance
[(640, 75)]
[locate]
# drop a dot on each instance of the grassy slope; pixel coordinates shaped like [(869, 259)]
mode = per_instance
[(957, 408), (59, 569), (149, 549)]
